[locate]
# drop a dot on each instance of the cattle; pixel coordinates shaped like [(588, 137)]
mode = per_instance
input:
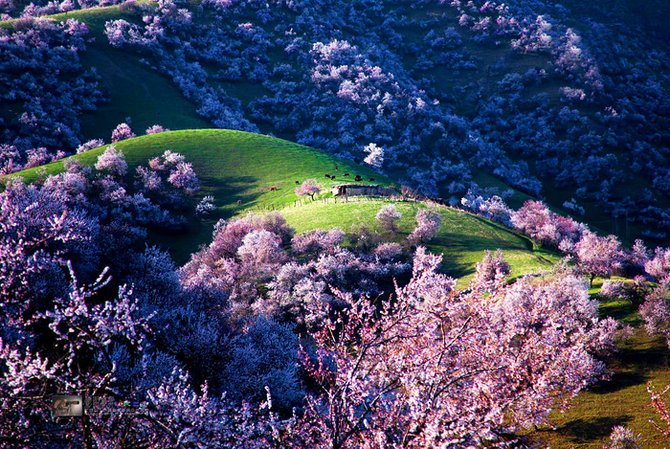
[(327, 175), (358, 178), (297, 182), (337, 168), (346, 174), (372, 179), (273, 188)]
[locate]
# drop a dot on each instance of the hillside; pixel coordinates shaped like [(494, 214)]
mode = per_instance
[(477, 103), (241, 169), (463, 238), (132, 89)]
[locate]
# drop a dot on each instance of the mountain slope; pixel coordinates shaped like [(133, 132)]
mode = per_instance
[(490, 97), (133, 89)]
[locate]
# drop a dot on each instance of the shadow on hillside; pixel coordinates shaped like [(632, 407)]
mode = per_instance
[(527, 241), (454, 269), (231, 195), (473, 243), (233, 192), (621, 312), (586, 430), (619, 381), (645, 358)]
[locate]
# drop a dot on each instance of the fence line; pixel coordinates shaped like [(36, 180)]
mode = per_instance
[(433, 202), (334, 200)]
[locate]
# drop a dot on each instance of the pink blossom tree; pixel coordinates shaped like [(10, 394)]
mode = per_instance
[(155, 129), (112, 161), (388, 217), (655, 312), (89, 145), (639, 254), (261, 247), (169, 169), (428, 224), (122, 132), (183, 177), (205, 207), (375, 155), (437, 367), (659, 403), (598, 256), (317, 241), (308, 187), (659, 265), (388, 251), (623, 438), (634, 291), (536, 220), (492, 272)]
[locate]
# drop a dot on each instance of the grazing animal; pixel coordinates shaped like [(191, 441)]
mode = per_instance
[(327, 175), (346, 174), (273, 188), (297, 182), (337, 168), (372, 179), (358, 178)]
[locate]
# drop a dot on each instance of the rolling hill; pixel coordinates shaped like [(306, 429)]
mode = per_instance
[(463, 237), (252, 172)]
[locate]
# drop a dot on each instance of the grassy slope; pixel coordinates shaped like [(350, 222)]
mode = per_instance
[(463, 237), (237, 168), (621, 401)]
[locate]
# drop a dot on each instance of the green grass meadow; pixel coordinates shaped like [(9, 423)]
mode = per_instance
[(243, 171), (463, 238)]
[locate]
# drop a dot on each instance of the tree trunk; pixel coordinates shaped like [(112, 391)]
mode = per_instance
[(85, 425)]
